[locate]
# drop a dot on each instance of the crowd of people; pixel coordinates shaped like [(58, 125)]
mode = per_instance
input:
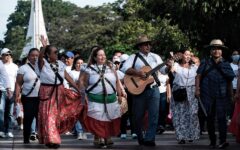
[(60, 93)]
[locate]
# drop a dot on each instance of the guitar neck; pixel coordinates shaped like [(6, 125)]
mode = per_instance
[(155, 69)]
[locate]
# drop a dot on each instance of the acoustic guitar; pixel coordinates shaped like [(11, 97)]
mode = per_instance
[(137, 85)]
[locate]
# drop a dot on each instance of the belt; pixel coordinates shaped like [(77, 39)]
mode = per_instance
[(45, 84), (151, 86)]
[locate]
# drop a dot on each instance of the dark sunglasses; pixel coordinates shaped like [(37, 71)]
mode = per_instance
[(5, 54)]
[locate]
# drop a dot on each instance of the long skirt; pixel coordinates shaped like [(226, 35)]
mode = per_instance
[(234, 126), (185, 117), (58, 112), (103, 123)]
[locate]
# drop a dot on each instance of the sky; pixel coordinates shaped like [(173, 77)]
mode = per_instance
[(8, 6)]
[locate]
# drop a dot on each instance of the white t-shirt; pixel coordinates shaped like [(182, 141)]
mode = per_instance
[(163, 80), (11, 69), (235, 70), (75, 76), (65, 82), (29, 77), (47, 76)]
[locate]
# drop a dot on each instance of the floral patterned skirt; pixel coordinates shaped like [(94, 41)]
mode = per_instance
[(185, 117), (58, 112), (234, 126)]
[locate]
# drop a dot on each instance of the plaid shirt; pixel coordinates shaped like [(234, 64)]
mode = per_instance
[(214, 84)]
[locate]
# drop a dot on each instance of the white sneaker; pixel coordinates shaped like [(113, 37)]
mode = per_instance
[(123, 136), (80, 136), (21, 127), (84, 136), (134, 136), (68, 133), (2, 135), (9, 134)]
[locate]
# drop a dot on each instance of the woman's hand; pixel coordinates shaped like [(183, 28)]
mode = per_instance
[(197, 92), (168, 99), (124, 94), (43, 41)]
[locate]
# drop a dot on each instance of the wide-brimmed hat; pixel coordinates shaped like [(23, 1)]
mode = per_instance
[(142, 39), (216, 43)]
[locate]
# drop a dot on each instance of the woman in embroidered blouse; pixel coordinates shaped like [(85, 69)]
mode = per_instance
[(100, 82), (185, 114), (57, 114), (27, 80)]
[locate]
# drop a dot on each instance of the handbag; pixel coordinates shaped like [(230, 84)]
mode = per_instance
[(180, 95), (123, 105)]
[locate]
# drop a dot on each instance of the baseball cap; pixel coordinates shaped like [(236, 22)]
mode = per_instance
[(6, 51), (69, 54)]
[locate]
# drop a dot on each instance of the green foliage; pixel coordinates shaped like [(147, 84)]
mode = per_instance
[(170, 24)]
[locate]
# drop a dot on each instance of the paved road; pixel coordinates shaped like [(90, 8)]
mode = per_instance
[(69, 142)]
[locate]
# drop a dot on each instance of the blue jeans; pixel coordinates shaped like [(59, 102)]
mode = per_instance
[(6, 112), (78, 128), (148, 101), (33, 126), (162, 110)]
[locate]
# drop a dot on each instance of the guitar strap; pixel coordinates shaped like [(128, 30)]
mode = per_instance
[(147, 64)]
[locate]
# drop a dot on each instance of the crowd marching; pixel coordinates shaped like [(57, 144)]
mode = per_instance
[(50, 94)]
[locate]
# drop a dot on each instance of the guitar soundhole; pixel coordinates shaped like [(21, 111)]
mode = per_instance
[(134, 82)]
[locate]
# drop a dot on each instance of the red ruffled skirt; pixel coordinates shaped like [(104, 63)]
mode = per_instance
[(58, 112), (234, 126)]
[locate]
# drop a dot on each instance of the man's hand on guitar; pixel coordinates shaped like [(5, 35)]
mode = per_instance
[(142, 75)]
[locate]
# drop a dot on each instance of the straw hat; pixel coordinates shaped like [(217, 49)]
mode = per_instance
[(217, 43), (142, 39)]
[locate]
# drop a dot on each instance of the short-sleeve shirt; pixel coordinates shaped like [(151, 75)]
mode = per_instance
[(184, 76), (163, 80), (152, 59), (29, 78), (214, 84), (11, 69), (94, 76), (47, 76)]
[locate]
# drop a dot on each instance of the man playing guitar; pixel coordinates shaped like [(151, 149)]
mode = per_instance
[(148, 100)]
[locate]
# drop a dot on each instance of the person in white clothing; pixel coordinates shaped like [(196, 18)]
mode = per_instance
[(165, 96), (185, 108), (27, 88), (69, 57), (11, 69), (4, 84)]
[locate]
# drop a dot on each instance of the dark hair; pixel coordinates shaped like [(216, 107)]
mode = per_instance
[(75, 61), (24, 61), (183, 51), (48, 50), (94, 51), (118, 51), (31, 50)]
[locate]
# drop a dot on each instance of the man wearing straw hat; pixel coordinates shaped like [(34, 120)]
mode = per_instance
[(149, 99), (212, 85)]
